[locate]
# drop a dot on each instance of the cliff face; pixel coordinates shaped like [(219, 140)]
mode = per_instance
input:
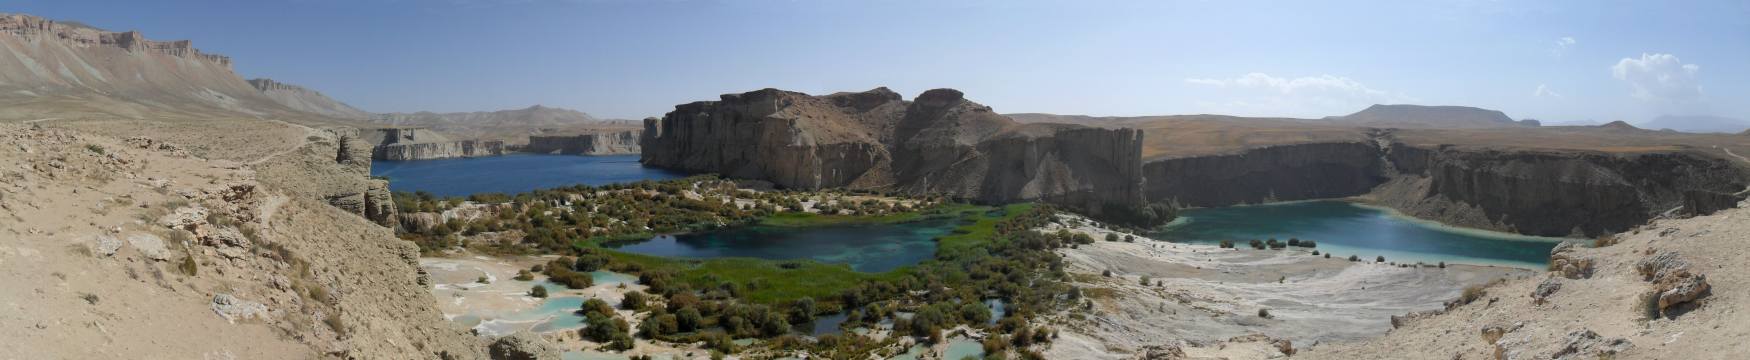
[(402, 144), (606, 143), (1558, 193), (1277, 173), (940, 143), (1549, 193)]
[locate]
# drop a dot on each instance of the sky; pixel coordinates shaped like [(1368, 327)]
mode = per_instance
[(1556, 61)]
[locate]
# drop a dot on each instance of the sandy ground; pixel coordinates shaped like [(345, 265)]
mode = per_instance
[(1607, 303), (1203, 294)]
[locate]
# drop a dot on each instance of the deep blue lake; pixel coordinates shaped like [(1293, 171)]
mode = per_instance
[(1344, 228), (512, 174), (866, 247)]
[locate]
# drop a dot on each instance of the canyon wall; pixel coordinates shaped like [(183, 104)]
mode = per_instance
[(402, 144), (1268, 174), (941, 143), (1548, 193), (601, 143)]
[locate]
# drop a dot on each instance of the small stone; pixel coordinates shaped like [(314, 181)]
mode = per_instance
[(184, 218), (1548, 287), (522, 346)]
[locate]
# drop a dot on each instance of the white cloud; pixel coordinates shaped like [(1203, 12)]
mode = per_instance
[(1562, 45), (1543, 90), (1659, 77), (1320, 95)]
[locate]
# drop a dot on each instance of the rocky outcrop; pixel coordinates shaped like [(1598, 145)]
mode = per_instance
[(940, 143), (600, 143), (1557, 193), (306, 100), (402, 144), (522, 346), (133, 41)]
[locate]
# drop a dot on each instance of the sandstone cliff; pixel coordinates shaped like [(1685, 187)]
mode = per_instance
[(596, 143), (940, 143), (1529, 191), (401, 144)]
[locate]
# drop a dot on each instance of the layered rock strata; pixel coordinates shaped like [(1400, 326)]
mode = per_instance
[(601, 143), (1549, 193), (401, 144), (941, 143)]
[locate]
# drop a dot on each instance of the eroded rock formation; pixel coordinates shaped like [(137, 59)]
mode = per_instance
[(940, 143)]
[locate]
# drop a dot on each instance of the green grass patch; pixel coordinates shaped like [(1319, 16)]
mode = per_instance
[(778, 281)]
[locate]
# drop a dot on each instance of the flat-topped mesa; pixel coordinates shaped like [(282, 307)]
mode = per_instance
[(939, 144), (33, 26)]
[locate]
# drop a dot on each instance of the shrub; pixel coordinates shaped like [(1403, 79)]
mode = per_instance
[(1106, 273), (1315, 252), (538, 291), (634, 301), (1354, 258), (1145, 280), (1129, 238), (1442, 264), (1472, 293), (1227, 244), (1293, 241), (1606, 240), (1264, 313), (524, 275), (1379, 259), (1111, 236), (94, 148), (1327, 255)]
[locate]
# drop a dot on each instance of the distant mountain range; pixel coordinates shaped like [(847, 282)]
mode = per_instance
[(1422, 116), (1698, 124)]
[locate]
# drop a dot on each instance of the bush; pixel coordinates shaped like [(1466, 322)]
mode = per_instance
[(1379, 259), (1293, 241), (1354, 258), (1145, 280), (1442, 264), (1111, 236), (524, 275), (1106, 273), (1227, 244), (1264, 313), (1315, 253), (1327, 255), (538, 291), (634, 301), (1129, 238), (1472, 293)]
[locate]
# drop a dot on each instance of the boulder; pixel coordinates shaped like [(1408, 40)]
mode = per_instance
[(1680, 288), (1653, 268), (1565, 260), (185, 218), (107, 245), (1548, 287), (522, 346), (150, 245)]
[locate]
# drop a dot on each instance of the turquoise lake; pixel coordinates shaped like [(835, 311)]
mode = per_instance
[(512, 174), (1344, 228), (865, 247)]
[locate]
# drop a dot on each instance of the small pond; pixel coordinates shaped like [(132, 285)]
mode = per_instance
[(865, 247)]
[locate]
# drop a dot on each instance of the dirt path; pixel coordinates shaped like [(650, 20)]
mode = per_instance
[(39, 120), (308, 131), (1740, 157)]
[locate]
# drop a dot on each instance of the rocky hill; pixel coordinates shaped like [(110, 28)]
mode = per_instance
[(306, 100), (939, 143), (1422, 116), (158, 205), (512, 127)]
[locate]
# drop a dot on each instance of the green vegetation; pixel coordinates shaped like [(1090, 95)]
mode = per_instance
[(994, 254)]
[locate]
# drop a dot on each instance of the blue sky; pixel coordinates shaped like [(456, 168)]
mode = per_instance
[(1558, 61)]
